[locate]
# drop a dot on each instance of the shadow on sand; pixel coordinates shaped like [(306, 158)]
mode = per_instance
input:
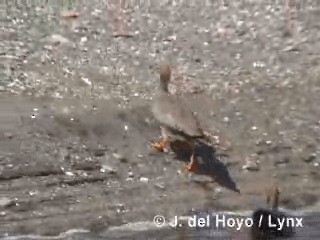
[(208, 163)]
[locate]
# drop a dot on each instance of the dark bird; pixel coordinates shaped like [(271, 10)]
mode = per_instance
[(177, 122)]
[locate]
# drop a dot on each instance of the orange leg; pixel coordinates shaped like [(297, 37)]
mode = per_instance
[(161, 145), (191, 166)]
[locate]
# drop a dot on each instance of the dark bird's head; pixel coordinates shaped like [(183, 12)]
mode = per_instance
[(165, 73)]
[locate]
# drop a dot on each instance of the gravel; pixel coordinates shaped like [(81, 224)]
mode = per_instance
[(75, 121)]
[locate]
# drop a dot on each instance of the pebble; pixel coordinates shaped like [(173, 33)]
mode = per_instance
[(108, 169), (226, 119), (69, 174), (217, 190), (129, 179), (58, 39), (32, 193), (258, 64), (251, 166), (83, 39), (268, 142), (86, 81), (144, 180)]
